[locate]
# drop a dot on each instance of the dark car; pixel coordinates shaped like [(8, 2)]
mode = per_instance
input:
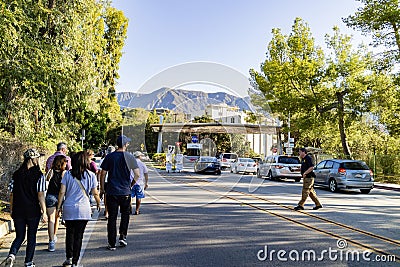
[(207, 164), (339, 174)]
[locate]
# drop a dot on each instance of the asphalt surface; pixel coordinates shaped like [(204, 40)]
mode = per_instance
[(191, 220)]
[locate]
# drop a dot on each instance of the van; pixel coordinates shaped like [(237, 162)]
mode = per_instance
[(280, 166), (226, 159)]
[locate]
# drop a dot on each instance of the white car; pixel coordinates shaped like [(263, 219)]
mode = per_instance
[(227, 159), (280, 166), (245, 165)]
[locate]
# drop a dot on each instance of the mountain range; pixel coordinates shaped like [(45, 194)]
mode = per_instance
[(180, 100)]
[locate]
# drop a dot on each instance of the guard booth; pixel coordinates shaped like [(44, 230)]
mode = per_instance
[(193, 152)]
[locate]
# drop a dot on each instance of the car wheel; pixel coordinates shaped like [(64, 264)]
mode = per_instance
[(297, 180), (259, 174), (365, 191), (333, 185), (254, 173)]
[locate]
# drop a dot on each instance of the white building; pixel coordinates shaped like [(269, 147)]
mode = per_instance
[(260, 143)]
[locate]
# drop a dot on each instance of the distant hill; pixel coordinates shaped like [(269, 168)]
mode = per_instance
[(191, 102)]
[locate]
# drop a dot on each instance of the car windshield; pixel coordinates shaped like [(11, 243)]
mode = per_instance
[(289, 160), (246, 160), (355, 165), (208, 159), (229, 156)]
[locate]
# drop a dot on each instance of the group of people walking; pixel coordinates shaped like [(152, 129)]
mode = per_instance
[(70, 182)]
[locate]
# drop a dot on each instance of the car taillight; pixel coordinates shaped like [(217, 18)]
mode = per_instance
[(371, 172), (224, 160), (241, 164), (254, 165), (342, 170), (278, 167)]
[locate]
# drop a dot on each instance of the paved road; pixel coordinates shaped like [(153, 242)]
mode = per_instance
[(232, 220)]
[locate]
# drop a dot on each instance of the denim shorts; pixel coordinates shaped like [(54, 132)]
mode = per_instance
[(137, 191), (51, 201)]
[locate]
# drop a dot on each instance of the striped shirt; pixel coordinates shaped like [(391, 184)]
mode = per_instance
[(25, 185)]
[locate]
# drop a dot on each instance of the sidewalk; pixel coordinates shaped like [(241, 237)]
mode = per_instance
[(393, 187)]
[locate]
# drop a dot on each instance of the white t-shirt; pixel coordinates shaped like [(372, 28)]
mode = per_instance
[(142, 171)]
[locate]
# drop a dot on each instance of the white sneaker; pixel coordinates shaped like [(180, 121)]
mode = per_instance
[(10, 260), (30, 264), (123, 243), (67, 263)]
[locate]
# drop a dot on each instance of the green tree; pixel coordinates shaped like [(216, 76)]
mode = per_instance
[(291, 80), (58, 62), (317, 90), (381, 19)]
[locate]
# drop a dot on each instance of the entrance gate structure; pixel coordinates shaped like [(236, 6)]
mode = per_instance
[(273, 131)]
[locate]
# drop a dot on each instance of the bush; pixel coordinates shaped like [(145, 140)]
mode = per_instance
[(159, 157)]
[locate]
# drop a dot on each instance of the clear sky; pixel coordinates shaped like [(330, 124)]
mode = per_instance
[(234, 33)]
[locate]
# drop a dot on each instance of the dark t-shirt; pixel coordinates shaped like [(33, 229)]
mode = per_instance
[(119, 164), (55, 183), (306, 163), (25, 185)]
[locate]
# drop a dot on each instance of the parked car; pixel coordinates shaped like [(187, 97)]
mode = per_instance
[(339, 174), (245, 165), (207, 164), (280, 166), (226, 159)]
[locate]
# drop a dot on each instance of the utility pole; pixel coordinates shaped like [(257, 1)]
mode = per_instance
[(83, 137)]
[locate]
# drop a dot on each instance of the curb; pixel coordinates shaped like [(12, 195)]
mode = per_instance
[(6, 227), (387, 187)]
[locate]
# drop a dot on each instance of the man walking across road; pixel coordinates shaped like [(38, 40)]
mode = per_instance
[(307, 167), (118, 166), (61, 150)]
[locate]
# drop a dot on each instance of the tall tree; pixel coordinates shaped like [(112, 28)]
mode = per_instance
[(317, 90), (54, 57), (291, 79), (381, 19)]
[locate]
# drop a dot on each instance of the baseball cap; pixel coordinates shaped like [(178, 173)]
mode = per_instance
[(123, 140), (32, 154), (137, 154)]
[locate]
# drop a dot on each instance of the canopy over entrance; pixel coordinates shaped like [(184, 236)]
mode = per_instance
[(215, 127)]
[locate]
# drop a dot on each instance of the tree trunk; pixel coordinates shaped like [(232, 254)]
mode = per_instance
[(343, 137)]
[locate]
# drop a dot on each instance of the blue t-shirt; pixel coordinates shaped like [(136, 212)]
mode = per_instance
[(119, 164)]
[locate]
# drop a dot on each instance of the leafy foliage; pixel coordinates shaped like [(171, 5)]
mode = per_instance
[(58, 65), (325, 93)]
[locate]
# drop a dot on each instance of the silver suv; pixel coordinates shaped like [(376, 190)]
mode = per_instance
[(339, 174), (280, 166)]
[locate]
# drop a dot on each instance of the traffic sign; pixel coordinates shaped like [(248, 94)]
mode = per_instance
[(171, 149), (195, 139), (288, 145), (194, 145)]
